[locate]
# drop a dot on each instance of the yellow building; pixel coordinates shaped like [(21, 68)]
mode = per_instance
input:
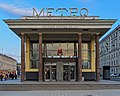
[(60, 48)]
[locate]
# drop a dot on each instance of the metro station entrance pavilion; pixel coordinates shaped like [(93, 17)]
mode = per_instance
[(60, 48)]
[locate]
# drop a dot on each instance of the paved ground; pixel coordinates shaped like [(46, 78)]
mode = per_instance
[(54, 82), (62, 93), (108, 92)]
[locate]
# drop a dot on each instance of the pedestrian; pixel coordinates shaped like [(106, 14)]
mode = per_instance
[(6, 77), (1, 76), (12, 76), (15, 76)]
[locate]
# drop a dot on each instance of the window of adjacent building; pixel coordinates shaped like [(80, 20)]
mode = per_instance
[(117, 71), (116, 62), (112, 63), (116, 33), (109, 63), (116, 54)]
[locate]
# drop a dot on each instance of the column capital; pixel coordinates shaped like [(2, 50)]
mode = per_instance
[(79, 33), (22, 33), (40, 33), (97, 34)]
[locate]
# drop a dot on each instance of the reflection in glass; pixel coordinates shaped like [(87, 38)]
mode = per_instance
[(54, 72), (47, 72), (34, 63), (34, 55), (86, 56), (67, 49), (72, 72), (65, 72)]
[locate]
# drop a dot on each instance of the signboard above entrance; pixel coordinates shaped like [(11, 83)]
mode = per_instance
[(72, 11)]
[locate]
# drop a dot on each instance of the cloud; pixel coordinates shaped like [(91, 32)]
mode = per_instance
[(16, 11)]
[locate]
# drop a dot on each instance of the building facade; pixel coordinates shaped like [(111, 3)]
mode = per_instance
[(60, 48), (7, 63), (110, 54)]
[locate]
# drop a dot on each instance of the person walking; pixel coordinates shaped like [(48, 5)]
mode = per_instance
[(15, 76), (1, 76), (12, 75)]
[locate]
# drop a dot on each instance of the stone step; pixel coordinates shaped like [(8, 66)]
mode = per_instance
[(31, 87)]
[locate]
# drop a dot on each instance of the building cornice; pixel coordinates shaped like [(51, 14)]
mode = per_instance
[(7, 57)]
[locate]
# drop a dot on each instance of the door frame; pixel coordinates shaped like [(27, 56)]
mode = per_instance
[(50, 66), (69, 68)]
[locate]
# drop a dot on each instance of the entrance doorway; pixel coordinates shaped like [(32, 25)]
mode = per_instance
[(52, 72), (47, 73), (72, 72), (53, 68), (65, 73), (106, 72), (69, 72)]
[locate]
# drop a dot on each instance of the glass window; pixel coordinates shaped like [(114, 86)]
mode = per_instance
[(49, 49), (34, 55), (86, 54), (66, 48), (70, 49), (34, 64), (55, 48), (34, 51), (86, 64)]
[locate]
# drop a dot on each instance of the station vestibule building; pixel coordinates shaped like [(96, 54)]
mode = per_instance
[(60, 48)]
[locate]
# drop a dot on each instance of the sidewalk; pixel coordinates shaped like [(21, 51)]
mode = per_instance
[(62, 93), (17, 85), (18, 81), (10, 81)]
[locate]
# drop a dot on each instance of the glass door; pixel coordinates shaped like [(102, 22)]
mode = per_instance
[(47, 73), (72, 73), (65, 72), (50, 72), (69, 71), (53, 72)]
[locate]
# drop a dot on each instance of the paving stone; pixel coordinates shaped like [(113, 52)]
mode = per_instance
[(62, 93)]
